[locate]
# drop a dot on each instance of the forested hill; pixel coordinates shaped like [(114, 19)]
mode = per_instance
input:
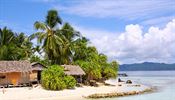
[(146, 66)]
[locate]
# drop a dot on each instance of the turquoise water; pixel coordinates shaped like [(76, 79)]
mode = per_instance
[(163, 81)]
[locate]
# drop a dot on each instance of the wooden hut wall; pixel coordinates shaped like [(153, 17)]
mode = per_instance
[(34, 75), (3, 79), (14, 78), (25, 77)]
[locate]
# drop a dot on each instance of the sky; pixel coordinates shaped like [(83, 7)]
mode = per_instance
[(129, 31)]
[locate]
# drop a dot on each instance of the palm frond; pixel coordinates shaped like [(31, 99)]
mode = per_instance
[(40, 25)]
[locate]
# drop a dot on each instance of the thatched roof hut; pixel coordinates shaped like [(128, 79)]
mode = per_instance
[(73, 70), (14, 72), (15, 66), (37, 66)]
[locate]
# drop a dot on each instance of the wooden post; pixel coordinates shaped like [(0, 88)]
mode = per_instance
[(3, 90), (21, 80), (7, 79), (81, 78)]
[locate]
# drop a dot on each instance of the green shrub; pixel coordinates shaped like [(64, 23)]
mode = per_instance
[(52, 78), (70, 81), (96, 73), (109, 73), (92, 69)]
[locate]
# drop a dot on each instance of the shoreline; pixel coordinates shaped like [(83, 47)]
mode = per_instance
[(79, 93), (118, 94)]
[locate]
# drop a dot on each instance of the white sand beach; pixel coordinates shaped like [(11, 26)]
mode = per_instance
[(38, 93)]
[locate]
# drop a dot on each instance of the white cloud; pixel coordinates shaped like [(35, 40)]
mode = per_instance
[(133, 9), (131, 46), (158, 21)]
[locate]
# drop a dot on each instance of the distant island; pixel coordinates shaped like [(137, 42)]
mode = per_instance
[(146, 66)]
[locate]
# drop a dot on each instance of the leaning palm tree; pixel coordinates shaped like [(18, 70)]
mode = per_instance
[(51, 43)]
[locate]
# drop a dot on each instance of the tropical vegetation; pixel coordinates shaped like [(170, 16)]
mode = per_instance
[(57, 43), (14, 46), (53, 78)]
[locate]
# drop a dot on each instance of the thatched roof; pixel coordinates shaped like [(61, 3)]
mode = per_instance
[(15, 66), (37, 66), (73, 70)]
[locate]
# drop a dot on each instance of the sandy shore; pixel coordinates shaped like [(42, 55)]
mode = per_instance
[(26, 93)]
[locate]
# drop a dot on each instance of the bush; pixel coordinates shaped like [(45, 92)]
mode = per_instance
[(109, 73), (54, 78), (51, 78), (69, 81), (92, 69), (96, 73), (57, 84)]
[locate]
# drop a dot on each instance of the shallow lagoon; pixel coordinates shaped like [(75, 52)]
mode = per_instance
[(163, 81)]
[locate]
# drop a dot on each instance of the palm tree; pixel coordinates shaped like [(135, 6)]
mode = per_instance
[(69, 36), (69, 33), (14, 46), (6, 39), (57, 43), (48, 38), (24, 46), (80, 49), (53, 18), (6, 36)]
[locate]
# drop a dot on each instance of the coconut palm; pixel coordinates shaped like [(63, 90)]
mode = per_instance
[(6, 39), (51, 42), (57, 43), (69, 36), (14, 46), (69, 33), (6, 36), (80, 49)]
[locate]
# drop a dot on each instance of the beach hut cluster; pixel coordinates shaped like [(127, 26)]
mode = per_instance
[(20, 73)]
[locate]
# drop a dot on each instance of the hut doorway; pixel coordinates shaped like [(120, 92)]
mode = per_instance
[(39, 76)]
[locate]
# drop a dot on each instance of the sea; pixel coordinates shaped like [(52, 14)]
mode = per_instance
[(162, 81)]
